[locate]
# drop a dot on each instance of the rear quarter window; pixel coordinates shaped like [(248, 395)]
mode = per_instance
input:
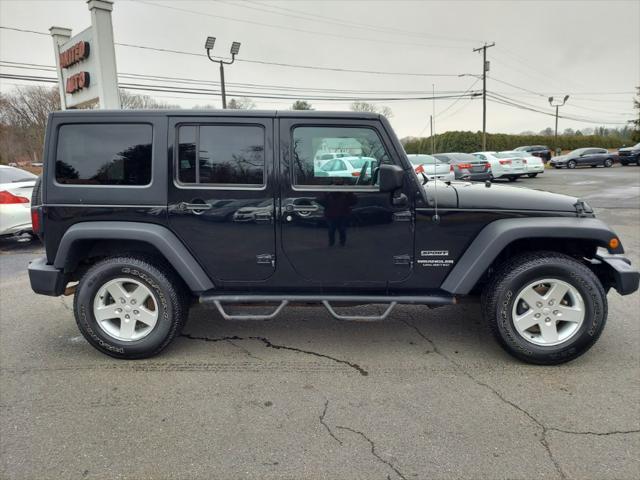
[(104, 154)]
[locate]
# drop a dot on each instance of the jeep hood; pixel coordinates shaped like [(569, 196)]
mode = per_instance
[(503, 197)]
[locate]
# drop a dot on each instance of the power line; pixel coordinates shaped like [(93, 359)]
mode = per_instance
[(292, 13), (193, 81), (294, 29), (210, 92), (512, 103), (264, 62)]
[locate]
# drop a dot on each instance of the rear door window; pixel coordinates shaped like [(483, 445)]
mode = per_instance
[(104, 154)]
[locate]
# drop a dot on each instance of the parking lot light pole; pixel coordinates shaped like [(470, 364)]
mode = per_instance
[(557, 105), (235, 49)]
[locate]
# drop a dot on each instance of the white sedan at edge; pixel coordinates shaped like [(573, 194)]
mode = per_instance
[(535, 165), (16, 186), (504, 165), (432, 167)]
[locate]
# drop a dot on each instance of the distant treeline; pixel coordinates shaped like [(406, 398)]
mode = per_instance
[(472, 142)]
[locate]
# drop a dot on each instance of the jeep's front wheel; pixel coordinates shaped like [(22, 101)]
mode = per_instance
[(545, 308), (129, 308)]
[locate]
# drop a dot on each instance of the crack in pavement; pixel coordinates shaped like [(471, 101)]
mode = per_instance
[(324, 413), (373, 450), (543, 440), (269, 344), (545, 429), (247, 352)]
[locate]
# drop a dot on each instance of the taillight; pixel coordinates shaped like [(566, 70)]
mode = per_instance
[(464, 165), (505, 162), (7, 198), (487, 166), (451, 169), (355, 174), (419, 169), (524, 160), (35, 220)]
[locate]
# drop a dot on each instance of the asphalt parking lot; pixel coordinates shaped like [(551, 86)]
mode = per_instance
[(426, 394)]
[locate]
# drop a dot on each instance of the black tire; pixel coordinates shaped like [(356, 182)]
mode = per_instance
[(512, 276), (594, 166), (169, 292), (571, 164), (608, 163), (532, 175), (624, 164), (557, 166), (513, 179)]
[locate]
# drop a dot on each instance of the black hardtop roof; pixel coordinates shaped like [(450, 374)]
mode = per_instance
[(224, 113)]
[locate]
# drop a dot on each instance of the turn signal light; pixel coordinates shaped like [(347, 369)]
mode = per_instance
[(7, 198), (505, 162), (614, 243)]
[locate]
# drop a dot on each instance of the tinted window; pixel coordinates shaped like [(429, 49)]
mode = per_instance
[(226, 154), (361, 147), (10, 175), (104, 154)]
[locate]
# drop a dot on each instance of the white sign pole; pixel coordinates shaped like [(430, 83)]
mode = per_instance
[(60, 35), (103, 49)]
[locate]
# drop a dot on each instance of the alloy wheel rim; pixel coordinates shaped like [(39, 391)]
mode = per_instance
[(548, 312), (125, 309)]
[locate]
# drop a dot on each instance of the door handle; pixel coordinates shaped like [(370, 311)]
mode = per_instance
[(302, 208), (194, 207)]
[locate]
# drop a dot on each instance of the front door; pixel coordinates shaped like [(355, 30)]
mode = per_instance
[(338, 228), (220, 202)]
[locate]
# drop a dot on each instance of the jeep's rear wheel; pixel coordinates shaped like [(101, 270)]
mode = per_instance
[(545, 308), (128, 307)]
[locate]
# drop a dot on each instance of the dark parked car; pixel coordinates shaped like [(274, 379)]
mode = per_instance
[(537, 151), (592, 157), (233, 213), (467, 166), (629, 155)]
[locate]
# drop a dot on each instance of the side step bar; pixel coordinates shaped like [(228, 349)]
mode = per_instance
[(284, 300)]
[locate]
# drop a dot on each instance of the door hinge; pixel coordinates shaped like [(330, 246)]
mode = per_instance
[(402, 259), (266, 259)]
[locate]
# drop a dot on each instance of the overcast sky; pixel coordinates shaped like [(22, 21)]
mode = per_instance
[(587, 49)]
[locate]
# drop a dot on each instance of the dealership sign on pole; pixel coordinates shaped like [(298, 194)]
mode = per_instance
[(86, 62)]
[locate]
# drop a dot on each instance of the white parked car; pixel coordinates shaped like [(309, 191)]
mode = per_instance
[(348, 166), (16, 186), (504, 165), (323, 157), (432, 167), (535, 165)]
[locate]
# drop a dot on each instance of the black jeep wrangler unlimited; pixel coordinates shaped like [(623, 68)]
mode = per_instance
[(143, 212)]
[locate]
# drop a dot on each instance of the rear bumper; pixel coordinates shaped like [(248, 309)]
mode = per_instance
[(478, 177), (46, 279), (625, 278)]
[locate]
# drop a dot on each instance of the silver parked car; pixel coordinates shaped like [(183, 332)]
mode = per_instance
[(432, 167)]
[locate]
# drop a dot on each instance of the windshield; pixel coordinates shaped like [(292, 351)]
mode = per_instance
[(577, 152), (13, 175), (424, 160)]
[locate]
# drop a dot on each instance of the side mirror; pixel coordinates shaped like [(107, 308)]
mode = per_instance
[(391, 177)]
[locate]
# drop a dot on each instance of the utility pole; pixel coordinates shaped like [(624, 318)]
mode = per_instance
[(485, 69), (557, 105)]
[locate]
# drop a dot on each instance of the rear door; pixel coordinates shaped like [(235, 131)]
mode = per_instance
[(342, 231), (221, 203)]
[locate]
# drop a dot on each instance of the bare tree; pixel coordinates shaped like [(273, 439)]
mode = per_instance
[(23, 115), (243, 103), (370, 107), (136, 101)]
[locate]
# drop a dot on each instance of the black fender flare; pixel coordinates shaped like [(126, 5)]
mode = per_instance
[(165, 241), (493, 238)]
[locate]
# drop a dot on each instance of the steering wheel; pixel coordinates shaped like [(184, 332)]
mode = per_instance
[(363, 170)]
